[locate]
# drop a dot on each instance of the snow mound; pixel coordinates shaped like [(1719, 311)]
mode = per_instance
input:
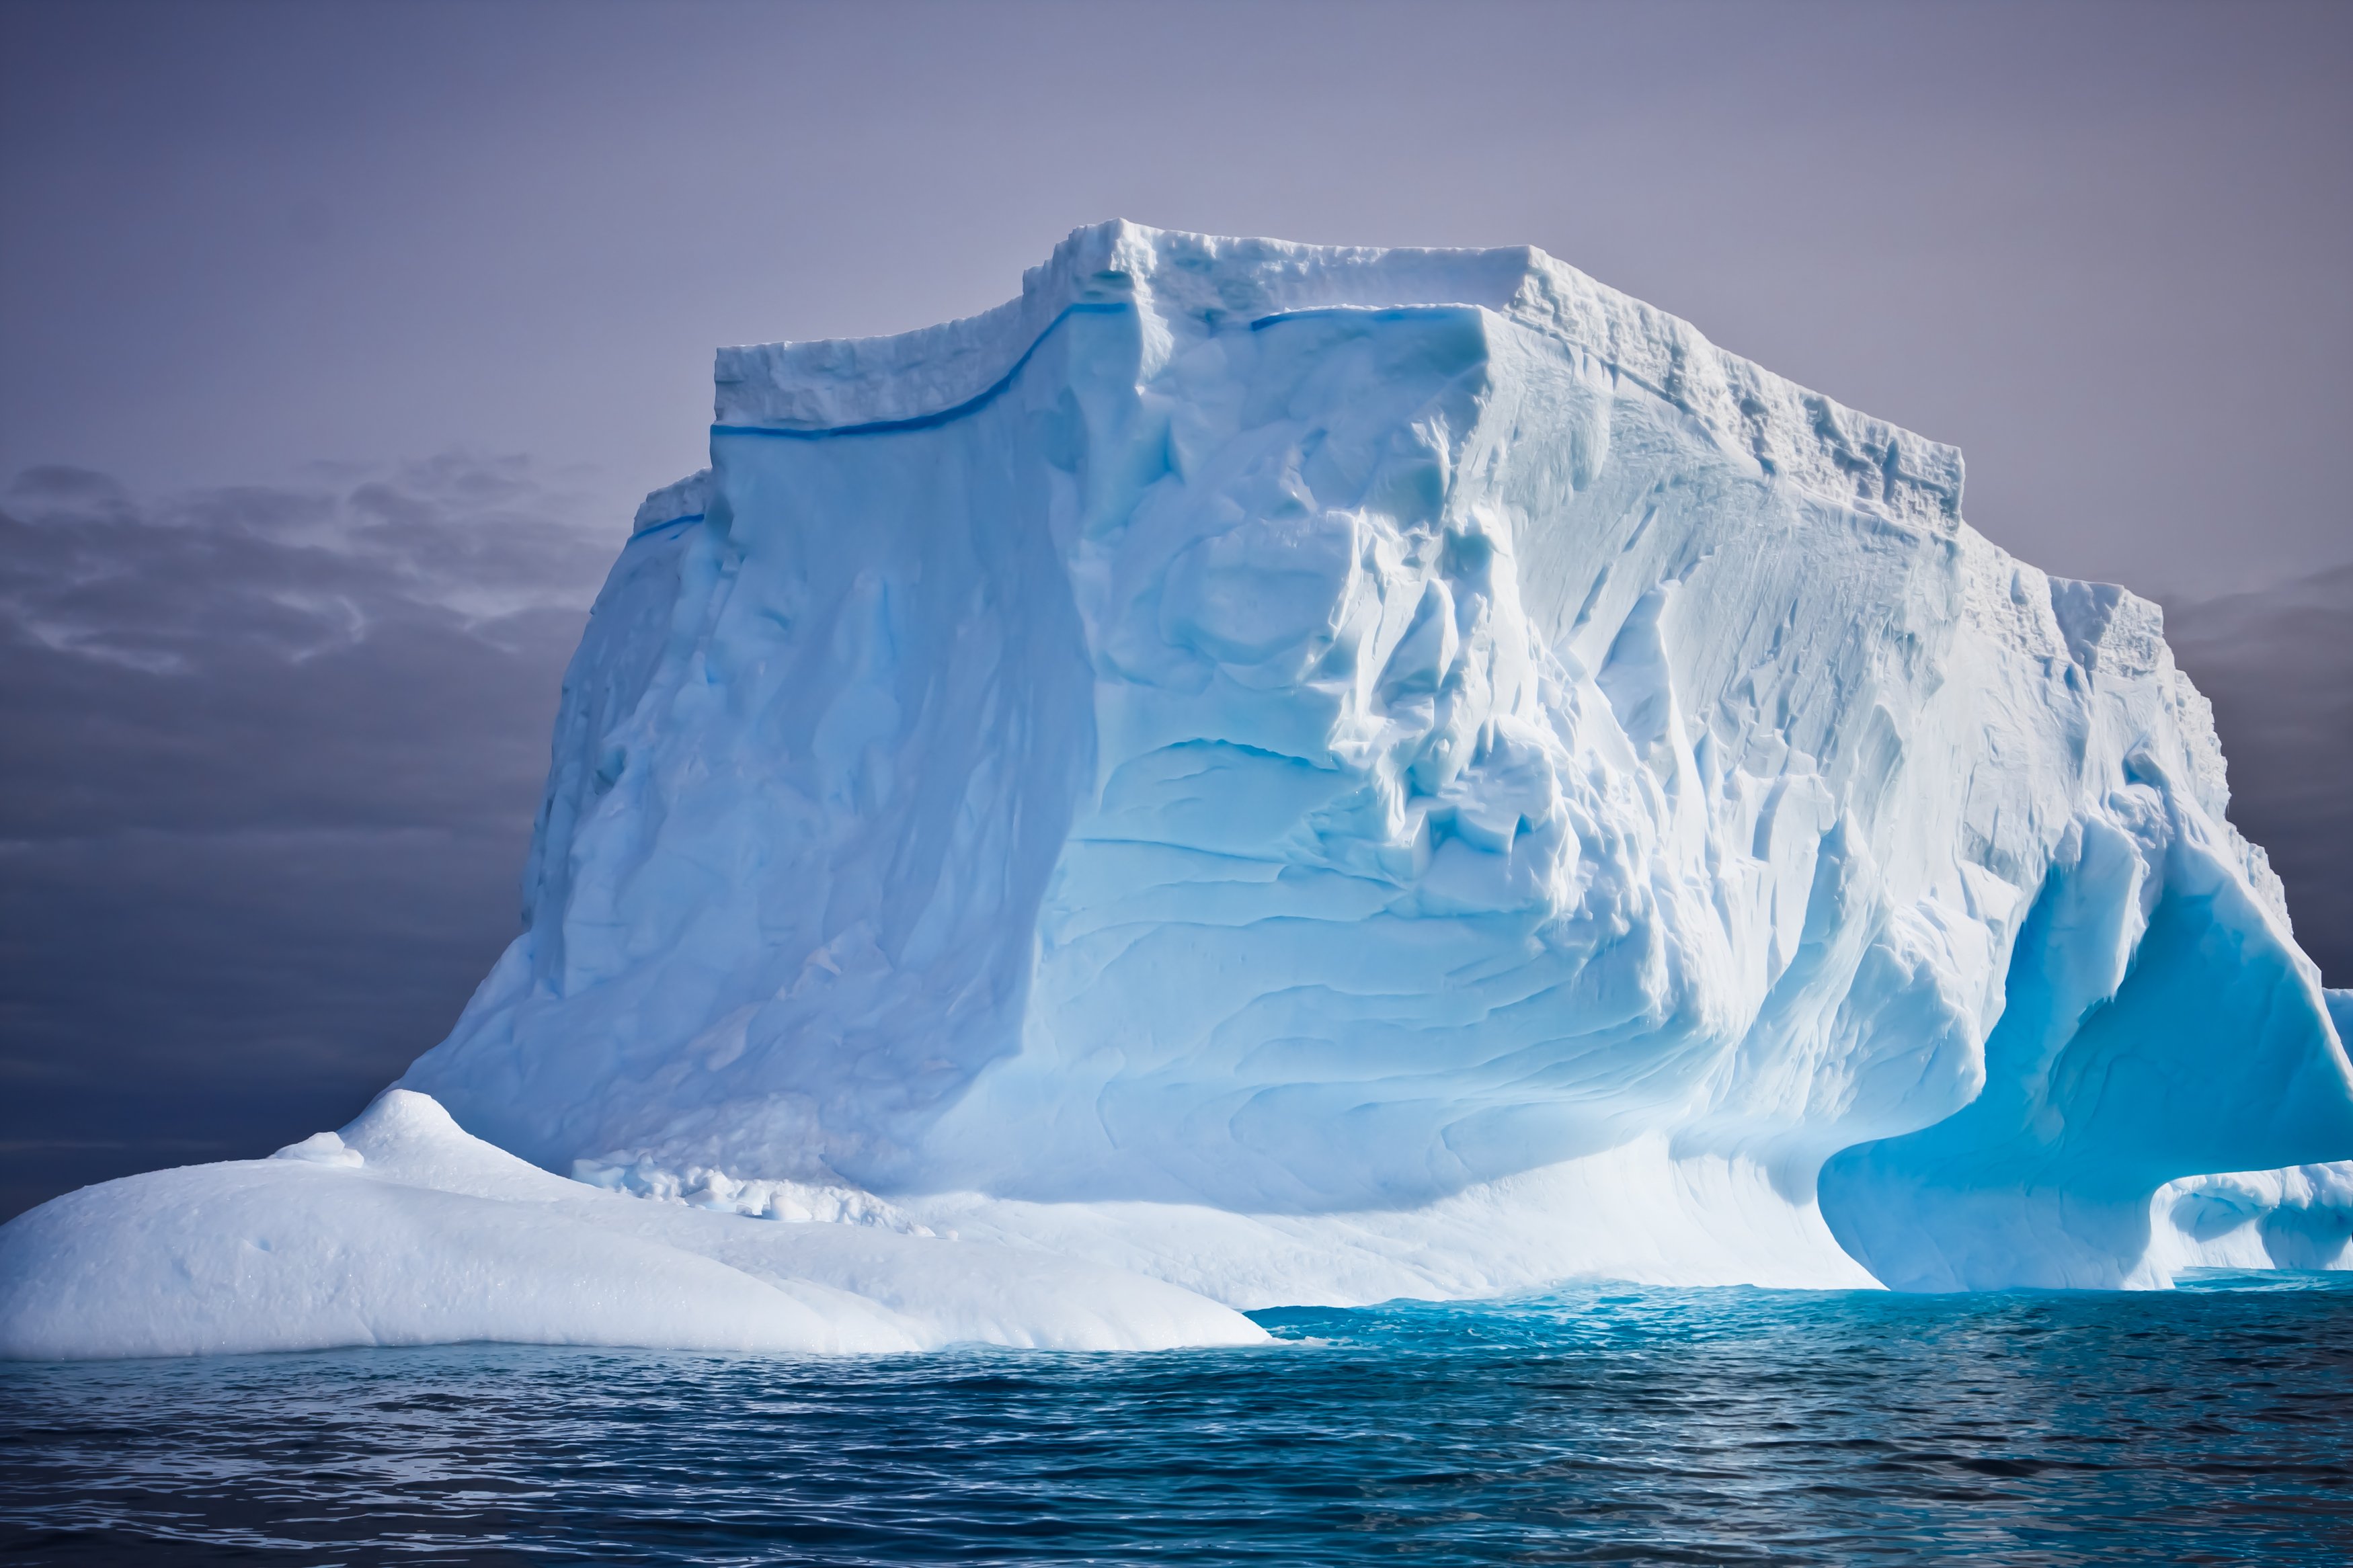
[(405, 1230)]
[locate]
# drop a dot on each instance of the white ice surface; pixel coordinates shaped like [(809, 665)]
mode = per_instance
[(405, 1230), (1314, 775)]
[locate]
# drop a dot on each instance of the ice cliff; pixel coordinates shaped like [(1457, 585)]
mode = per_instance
[(1317, 775)]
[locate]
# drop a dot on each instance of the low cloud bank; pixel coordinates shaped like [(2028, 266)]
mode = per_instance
[(273, 756)]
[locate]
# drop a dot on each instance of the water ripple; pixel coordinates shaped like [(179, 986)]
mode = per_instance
[(1602, 1425)]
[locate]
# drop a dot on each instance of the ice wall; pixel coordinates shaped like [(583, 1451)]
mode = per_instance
[(1251, 749)]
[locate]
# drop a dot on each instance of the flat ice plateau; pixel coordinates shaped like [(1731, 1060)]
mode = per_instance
[(1266, 774)]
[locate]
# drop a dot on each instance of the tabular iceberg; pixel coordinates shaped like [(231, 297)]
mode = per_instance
[(1315, 774)]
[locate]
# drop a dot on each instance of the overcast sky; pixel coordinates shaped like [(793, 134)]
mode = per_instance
[(337, 343)]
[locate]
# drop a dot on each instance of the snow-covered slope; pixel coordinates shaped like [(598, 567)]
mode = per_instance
[(405, 1230), (1315, 774)]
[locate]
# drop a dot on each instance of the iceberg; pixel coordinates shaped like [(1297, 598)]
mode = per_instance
[(1258, 774)]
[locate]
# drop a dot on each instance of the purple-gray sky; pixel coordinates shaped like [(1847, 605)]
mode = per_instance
[(337, 341)]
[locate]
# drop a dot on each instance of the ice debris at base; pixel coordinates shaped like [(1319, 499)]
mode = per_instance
[(801, 1202), (1315, 774)]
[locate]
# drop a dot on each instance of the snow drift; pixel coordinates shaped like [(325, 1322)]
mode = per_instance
[(405, 1230), (1315, 774)]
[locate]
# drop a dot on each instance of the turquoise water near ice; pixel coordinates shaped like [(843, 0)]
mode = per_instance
[(2213, 1423)]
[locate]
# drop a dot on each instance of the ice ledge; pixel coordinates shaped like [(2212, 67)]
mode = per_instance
[(675, 502), (1189, 286)]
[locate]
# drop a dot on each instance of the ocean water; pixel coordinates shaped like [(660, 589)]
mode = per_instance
[(2213, 1423)]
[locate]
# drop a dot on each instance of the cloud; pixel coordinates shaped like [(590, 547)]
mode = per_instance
[(274, 754), (280, 658), (2277, 664)]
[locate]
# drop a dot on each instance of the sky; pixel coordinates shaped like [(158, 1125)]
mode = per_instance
[(337, 343)]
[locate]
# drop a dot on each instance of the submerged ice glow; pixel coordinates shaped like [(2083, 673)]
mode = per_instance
[(1316, 776)]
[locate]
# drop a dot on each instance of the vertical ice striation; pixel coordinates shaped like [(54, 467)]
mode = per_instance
[(1323, 773)]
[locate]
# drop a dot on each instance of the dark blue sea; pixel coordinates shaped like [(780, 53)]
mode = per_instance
[(2213, 1423)]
